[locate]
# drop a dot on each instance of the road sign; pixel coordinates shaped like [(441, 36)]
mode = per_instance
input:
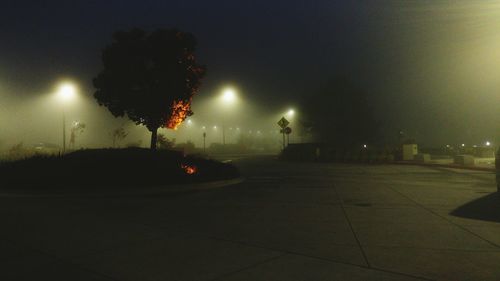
[(283, 123), (288, 130)]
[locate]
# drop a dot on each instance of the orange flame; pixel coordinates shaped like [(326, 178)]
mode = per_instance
[(180, 110), (189, 169)]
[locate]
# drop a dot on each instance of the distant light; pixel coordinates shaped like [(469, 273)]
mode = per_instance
[(229, 95), (258, 132), (291, 112), (66, 92), (203, 127), (474, 146), (237, 129), (488, 143), (231, 128), (365, 146), (189, 121), (215, 127), (448, 146), (463, 144)]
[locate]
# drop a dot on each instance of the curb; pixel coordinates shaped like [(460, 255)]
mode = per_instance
[(452, 166), (156, 190)]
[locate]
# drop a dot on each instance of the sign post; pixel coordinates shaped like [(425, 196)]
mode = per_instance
[(283, 123), (288, 131)]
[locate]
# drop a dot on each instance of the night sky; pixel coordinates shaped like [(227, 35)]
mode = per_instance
[(431, 68)]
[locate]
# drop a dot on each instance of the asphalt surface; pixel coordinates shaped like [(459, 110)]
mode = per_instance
[(286, 221)]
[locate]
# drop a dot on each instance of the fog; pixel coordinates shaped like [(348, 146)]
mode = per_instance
[(37, 118), (429, 68), (436, 68)]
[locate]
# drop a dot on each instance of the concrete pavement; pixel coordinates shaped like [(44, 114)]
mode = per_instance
[(286, 221)]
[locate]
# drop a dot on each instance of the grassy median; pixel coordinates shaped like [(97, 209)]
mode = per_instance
[(112, 168)]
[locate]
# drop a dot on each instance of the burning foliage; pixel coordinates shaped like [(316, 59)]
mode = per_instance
[(180, 110), (189, 169), (150, 77)]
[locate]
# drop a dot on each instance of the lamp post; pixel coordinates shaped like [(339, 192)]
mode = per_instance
[(228, 98), (203, 128), (189, 129), (65, 93)]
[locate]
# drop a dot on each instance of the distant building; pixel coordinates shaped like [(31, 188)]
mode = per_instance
[(409, 151)]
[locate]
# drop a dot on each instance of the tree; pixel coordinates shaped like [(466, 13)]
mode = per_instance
[(341, 113), (118, 135), (77, 128), (150, 76), (164, 143), (18, 151)]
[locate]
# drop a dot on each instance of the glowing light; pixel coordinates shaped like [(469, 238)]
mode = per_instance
[(189, 169), (365, 146), (180, 110), (215, 127), (488, 143), (203, 128), (66, 92), (291, 113), (229, 95), (189, 122), (463, 144)]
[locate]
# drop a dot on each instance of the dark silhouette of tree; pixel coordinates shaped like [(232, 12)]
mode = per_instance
[(17, 151), (340, 113), (150, 76), (164, 143), (77, 128), (118, 135)]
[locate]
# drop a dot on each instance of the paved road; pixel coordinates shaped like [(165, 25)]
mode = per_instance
[(286, 221)]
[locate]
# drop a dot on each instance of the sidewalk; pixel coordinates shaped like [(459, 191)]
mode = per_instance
[(480, 164), (286, 221)]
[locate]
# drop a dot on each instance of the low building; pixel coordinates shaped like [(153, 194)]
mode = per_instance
[(409, 151)]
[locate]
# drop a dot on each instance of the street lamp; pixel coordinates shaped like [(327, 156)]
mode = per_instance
[(290, 115), (189, 130), (204, 128), (228, 98), (228, 95), (65, 93)]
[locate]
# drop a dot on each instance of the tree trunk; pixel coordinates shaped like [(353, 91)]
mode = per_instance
[(154, 137)]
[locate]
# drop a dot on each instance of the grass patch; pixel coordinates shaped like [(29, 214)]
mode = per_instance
[(112, 168)]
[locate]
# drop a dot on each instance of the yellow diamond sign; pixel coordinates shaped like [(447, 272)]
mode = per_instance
[(283, 123)]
